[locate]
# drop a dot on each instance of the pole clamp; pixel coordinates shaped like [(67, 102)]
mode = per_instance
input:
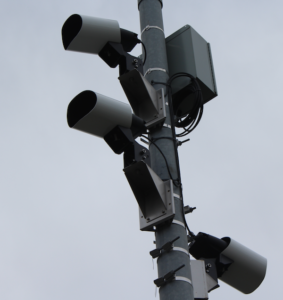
[(154, 69), (168, 277), (140, 1), (165, 248), (149, 27)]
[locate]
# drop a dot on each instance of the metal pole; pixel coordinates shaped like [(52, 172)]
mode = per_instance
[(154, 40)]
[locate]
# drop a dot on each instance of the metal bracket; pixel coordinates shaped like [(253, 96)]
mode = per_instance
[(203, 283), (149, 27), (154, 196), (168, 277), (114, 54), (135, 153), (147, 103), (154, 69), (165, 248)]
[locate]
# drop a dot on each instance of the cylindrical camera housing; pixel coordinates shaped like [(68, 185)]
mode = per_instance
[(247, 271), (89, 34), (96, 114)]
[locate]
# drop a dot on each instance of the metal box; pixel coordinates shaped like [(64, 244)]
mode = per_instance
[(188, 52)]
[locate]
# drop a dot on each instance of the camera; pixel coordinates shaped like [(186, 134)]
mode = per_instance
[(97, 114), (230, 261), (91, 34)]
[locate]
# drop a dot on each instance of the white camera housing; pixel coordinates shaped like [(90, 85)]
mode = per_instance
[(97, 114), (248, 269), (89, 34)]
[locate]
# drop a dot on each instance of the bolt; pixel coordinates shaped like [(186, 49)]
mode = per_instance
[(148, 219), (135, 60), (136, 65), (144, 157), (143, 151), (161, 108)]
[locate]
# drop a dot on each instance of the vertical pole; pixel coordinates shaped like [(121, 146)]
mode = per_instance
[(154, 40)]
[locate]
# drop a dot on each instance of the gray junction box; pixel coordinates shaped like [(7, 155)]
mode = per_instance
[(188, 52)]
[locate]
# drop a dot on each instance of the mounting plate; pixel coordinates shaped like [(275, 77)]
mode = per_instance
[(147, 103)]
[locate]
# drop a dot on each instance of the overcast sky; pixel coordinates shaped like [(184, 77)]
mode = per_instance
[(69, 225)]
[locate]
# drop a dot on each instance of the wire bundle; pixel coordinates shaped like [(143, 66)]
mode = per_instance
[(192, 119)]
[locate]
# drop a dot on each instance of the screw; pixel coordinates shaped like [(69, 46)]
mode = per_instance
[(136, 65), (148, 219), (169, 203), (163, 211), (143, 151), (141, 216), (144, 157), (161, 108), (135, 60), (168, 191)]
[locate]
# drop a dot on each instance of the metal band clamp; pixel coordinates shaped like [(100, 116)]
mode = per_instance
[(181, 278), (149, 27), (178, 223), (154, 69)]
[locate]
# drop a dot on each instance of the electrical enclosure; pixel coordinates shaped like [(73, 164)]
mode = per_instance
[(188, 52)]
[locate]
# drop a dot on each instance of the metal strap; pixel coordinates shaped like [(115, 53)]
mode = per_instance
[(140, 1), (177, 196), (178, 223), (180, 249), (183, 279), (149, 27), (154, 69)]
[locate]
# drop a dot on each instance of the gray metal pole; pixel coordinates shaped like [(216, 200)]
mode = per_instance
[(154, 40)]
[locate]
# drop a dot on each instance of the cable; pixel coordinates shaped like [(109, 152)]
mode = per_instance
[(188, 123), (144, 52), (166, 162), (192, 119)]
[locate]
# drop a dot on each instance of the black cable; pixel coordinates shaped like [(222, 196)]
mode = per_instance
[(192, 119), (144, 52), (166, 162), (177, 162)]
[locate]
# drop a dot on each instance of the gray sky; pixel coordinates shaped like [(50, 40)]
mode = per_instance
[(69, 223)]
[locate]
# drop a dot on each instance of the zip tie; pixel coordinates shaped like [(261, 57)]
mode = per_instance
[(154, 69), (178, 223), (149, 27), (181, 250), (183, 279), (177, 196), (166, 125)]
